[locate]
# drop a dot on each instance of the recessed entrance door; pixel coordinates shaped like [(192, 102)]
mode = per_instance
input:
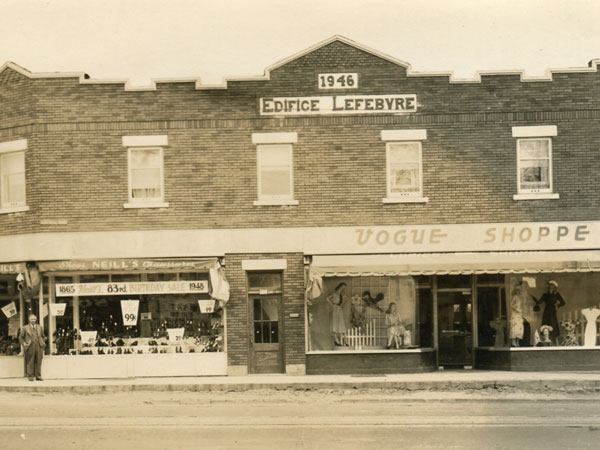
[(455, 328), (265, 354)]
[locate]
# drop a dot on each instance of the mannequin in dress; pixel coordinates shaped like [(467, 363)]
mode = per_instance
[(552, 300), (516, 315), (589, 337)]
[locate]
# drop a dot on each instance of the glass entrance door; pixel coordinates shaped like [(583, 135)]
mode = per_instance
[(455, 327)]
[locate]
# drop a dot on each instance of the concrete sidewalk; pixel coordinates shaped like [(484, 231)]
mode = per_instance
[(451, 380)]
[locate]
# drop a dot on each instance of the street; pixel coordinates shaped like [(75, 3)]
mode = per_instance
[(270, 419)]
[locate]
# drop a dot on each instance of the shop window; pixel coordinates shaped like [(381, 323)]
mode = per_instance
[(275, 168), (162, 323), (145, 175), (553, 310), (275, 172), (492, 322), (534, 165), (404, 165), (371, 314), (534, 162), (10, 316), (145, 171), (454, 282), (12, 176), (405, 170)]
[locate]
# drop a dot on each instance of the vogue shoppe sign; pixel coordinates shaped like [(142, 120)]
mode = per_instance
[(463, 237)]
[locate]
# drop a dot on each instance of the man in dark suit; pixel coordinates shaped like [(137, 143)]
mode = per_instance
[(33, 342)]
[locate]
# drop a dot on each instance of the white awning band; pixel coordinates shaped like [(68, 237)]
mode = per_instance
[(456, 263)]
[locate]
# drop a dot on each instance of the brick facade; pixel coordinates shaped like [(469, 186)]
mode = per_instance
[(76, 165)]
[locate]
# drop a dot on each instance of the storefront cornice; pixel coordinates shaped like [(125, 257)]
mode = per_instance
[(509, 117), (390, 239)]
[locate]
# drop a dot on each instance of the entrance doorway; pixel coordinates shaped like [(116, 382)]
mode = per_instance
[(264, 311), (455, 322)]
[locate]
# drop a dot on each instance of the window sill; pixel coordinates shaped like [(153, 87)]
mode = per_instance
[(547, 196), (146, 205), (276, 202), (407, 199), (14, 209)]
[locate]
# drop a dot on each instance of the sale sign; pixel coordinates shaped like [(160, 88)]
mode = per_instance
[(58, 309), (88, 337), (129, 308), (175, 334), (206, 306), (10, 310)]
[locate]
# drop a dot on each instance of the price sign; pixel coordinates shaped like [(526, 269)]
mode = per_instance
[(88, 337), (58, 309), (10, 310), (129, 308), (175, 334), (206, 306)]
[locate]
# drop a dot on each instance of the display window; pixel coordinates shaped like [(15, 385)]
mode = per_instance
[(10, 316), (553, 310), (371, 313), (112, 321)]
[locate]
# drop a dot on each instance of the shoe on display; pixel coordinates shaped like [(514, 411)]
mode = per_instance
[(39, 378), (30, 378)]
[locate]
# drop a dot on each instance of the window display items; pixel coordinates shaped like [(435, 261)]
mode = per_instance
[(395, 329), (373, 302), (358, 311), (498, 325), (570, 327), (591, 328), (516, 315), (552, 300), (545, 339), (338, 324)]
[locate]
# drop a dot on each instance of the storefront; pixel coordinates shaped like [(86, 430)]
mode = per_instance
[(414, 312), (128, 318)]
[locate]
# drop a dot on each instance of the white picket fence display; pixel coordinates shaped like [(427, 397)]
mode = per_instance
[(366, 336)]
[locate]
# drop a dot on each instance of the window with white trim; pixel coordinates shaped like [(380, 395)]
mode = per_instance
[(275, 172), (404, 169), (12, 176), (145, 174), (145, 170), (534, 165), (12, 169)]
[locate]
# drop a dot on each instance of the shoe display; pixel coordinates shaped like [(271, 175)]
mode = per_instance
[(39, 378)]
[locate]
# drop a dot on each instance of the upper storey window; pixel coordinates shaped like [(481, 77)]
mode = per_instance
[(12, 176), (404, 165), (275, 168), (145, 170), (534, 162)]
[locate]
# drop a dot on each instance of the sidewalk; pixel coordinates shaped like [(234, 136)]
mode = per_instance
[(451, 380)]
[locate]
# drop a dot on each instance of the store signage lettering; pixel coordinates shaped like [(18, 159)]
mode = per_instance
[(120, 264), (133, 288), (12, 268), (485, 235), (338, 104)]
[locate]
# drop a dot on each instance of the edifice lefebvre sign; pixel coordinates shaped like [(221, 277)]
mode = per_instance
[(338, 104)]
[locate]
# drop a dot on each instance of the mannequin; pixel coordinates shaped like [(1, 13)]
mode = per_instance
[(516, 315), (589, 337)]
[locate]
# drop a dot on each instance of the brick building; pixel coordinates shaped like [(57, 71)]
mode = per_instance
[(337, 184)]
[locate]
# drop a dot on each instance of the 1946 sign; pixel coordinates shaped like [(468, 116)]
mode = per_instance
[(338, 80)]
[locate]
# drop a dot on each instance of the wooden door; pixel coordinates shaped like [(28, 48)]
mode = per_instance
[(266, 354)]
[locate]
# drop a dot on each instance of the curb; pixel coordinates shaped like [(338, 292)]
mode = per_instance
[(487, 385)]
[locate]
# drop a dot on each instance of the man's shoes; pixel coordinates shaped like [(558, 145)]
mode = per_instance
[(39, 378), (30, 378)]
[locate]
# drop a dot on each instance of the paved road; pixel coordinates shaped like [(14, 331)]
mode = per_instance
[(300, 420)]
